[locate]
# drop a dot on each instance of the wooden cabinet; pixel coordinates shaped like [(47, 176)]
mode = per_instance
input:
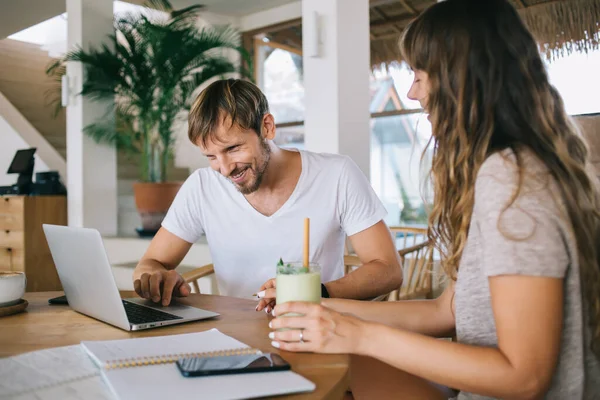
[(23, 246)]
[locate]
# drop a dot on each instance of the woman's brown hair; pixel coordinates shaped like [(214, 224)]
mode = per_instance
[(490, 92)]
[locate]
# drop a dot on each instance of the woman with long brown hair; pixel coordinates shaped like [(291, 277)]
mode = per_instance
[(515, 218)]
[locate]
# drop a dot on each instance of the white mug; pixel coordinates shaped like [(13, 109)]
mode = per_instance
[(12, 287)]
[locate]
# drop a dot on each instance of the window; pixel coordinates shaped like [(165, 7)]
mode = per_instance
[(280, 78), (399, 135), (290, 136), (390, 106)]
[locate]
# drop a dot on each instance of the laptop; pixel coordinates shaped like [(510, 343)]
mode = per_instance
[(88, 282)]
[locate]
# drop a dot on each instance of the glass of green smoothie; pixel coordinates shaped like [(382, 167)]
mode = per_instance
[(296, 282)]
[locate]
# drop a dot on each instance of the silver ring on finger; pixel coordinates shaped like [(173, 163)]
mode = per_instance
[(301, 337)]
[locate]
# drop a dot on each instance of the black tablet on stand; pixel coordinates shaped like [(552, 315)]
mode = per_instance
[(22, 164)]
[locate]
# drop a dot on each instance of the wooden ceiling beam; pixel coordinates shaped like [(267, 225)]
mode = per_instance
[(380, 13), (287, 37), (386, 36), (391, 21), (277, 27), (276, 45), (408, 7), (383, 17), (377, 3), (372, 4)]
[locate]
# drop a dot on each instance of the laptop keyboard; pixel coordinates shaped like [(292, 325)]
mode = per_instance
[(141, 315)]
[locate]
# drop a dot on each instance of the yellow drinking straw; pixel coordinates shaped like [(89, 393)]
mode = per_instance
[(306, 241)]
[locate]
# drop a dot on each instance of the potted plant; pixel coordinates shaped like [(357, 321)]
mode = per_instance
[(149, 73)]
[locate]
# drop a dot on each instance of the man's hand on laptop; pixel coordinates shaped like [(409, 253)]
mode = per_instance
[(161, 285), (266, 294)]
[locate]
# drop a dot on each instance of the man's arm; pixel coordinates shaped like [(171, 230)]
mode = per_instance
[(154, 277), (361, 217), (381, 271)]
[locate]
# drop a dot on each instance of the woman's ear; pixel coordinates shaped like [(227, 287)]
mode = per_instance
[(268, 127)]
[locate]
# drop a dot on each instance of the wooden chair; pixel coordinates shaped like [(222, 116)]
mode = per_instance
[(192, 277), (409, 236), (406, 235), (351, 261), (417, 266)]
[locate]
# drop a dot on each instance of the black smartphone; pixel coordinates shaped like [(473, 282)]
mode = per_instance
[(58, 300), (241, 364)]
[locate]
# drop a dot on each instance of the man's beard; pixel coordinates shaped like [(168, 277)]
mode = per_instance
[(259, 173)]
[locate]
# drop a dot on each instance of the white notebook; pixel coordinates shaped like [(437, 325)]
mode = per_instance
[(61, 373), (144, 368)]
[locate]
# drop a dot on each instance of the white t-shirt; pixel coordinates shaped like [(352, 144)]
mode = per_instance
[(245, 245)]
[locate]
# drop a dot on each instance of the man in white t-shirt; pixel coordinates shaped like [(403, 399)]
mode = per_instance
[(251, 204)]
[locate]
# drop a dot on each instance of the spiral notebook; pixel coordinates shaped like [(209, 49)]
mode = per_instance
[(144, 368), (50, 374)]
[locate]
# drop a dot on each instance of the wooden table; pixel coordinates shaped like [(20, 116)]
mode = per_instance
[(42, 326)]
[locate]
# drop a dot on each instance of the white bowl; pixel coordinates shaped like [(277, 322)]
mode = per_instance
[(12, 287)]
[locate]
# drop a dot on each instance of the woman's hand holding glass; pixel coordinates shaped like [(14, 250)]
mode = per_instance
[(318, 329)]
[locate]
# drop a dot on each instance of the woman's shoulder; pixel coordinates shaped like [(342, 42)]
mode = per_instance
[(506, 169), (522, 180), (507, 165)]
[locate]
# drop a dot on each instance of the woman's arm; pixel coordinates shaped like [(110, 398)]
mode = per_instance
[(428, 317), (528, 313)]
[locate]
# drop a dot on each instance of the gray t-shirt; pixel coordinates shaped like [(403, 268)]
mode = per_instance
[(532, 237)]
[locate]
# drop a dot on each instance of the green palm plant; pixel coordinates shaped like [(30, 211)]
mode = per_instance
[(147, 74)]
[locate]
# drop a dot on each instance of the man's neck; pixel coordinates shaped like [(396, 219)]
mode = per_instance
[(277, 172), (279, 181)]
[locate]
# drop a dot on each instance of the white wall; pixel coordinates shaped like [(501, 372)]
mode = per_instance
[(210, 18), (187, 155), (271, 17), (10, 142), (16, 123)]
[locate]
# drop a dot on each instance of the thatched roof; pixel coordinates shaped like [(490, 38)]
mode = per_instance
[(565, 26), (561, 26)]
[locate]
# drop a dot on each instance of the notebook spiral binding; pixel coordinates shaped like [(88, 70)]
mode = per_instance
[(172, 358)]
